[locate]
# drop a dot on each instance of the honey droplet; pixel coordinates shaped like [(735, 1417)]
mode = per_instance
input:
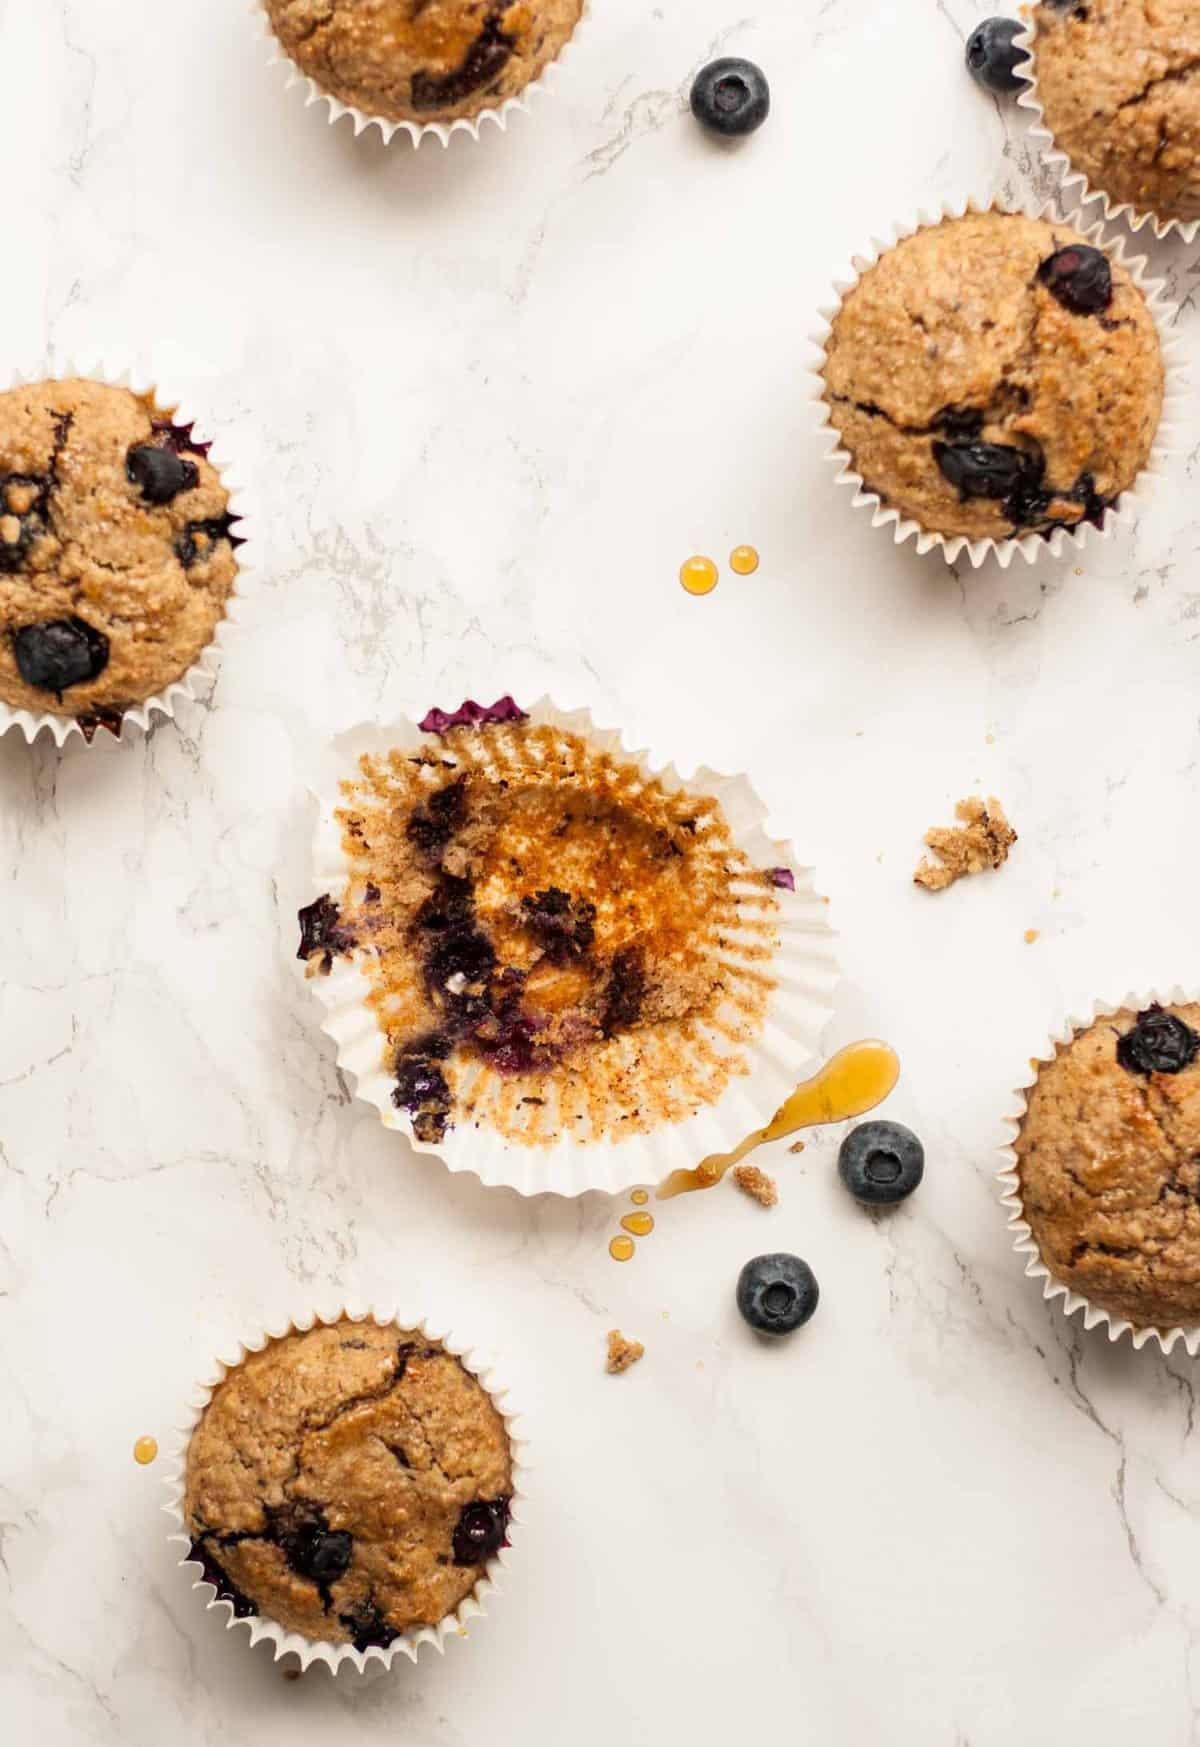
[(621, 1249), (640, 1224), (640, 1197), (1031, 934), (144, 1451), (698, 575), (743, 560)]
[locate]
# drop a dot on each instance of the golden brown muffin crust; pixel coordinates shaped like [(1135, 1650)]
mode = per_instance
[(375, 1436), (79, 541), (423, 60), (951, 336), (1109, 1165), (1119, 81)]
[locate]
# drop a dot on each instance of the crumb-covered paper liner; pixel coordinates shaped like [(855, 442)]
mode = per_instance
[(499, 114), (63, 728), (1030, 546), (802, 966), (1024, 1242), (1075, 189), (340, 1656)]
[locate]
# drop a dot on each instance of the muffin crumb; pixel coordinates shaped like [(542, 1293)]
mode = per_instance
[(622, 1353), (797, 1146), (983, 840), (755, 1183)]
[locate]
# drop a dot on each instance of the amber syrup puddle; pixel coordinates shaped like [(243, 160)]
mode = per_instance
[(144, 1451), (698, 575), (633, 1225), (743, 560), (852, 1082)]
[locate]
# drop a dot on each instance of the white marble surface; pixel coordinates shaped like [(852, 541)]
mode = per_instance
[(486, 400)]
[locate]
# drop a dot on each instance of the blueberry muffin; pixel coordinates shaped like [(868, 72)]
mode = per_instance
[(423, 60), (116, 550), (995, 375), (350, 1483), (1109, 1164), (551, 941), (1119, 82)]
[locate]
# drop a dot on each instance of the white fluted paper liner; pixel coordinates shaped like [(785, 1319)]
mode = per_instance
[(804, 967), (338, 1656), (1030, 546), (1075, 188), (139, 716), (1009, 1178), (499, 115)]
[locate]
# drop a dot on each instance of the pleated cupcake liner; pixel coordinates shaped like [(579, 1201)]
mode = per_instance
[(1030, 547), (804, 969), (140, 716), (499, 115), (1074, 1303), (260, 1627)]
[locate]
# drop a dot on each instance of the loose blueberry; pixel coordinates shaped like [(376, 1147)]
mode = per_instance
[(1080, 278), (481, 1531), (731, 97), (881, 1162), (992, 58), (159, 474), (1160, 1043), (59, 654), (777, 1293)]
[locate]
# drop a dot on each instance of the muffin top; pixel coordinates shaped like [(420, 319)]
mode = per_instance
[(350, 1483), (116, 551), (423, 60), (552, 941), (994, 375), (1119, 81), (1109, 1153)]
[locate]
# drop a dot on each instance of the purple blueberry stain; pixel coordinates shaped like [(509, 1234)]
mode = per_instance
[(322, 935), (783, 878), (472, 715)]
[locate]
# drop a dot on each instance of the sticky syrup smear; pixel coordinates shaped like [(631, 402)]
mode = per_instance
[(852, 1082), (144, 1451)]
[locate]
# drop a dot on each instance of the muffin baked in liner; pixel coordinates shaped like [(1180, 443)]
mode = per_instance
[(417, 131), (1024, 1242), (63, 728), (261, 1628), (1030, 546), (802, 968), (1075, 188)]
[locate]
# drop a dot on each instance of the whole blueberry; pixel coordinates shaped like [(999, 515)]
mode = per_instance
[(1160, 1043), (731, 97), (481, 1531), (881, 1162), (328, 1556), (59, 654), (992, 58), (159, 474), (777, 1294), (1079, 277)]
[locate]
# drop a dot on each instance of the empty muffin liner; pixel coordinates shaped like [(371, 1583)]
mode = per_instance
[(417, 131), (1075, 188), (139, 716), (261, 1628), (1024, 1242), (804, 969), (1029, 546)]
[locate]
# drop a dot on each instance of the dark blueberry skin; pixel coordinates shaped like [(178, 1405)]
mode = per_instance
[(562, 926), (321, 929), (483, 63), (199, 538), (368, 1627), (481, 1531), (243, 1607), (1080, 278), (624, 995), (777, 1294), (1160, 1043), (881, 1163), (982, 469), (323, 1555), (991, 57), (159, 474), (731, 97), (59, 654)]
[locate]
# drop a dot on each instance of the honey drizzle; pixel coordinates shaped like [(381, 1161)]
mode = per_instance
[(698, 575), (640, 1224), (852, 1082), (621, 1249)]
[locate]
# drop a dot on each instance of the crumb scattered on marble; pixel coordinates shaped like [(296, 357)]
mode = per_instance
[(755, 1183), (989, 739), (982, 840), (622, 1353), (1032, 934), (797, 1146)]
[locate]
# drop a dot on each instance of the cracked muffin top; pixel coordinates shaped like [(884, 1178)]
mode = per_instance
[(552, 942), (995, 375), (423, 60), (1119, 81), (350, 1483), (1109, 1164), (116, 550)]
